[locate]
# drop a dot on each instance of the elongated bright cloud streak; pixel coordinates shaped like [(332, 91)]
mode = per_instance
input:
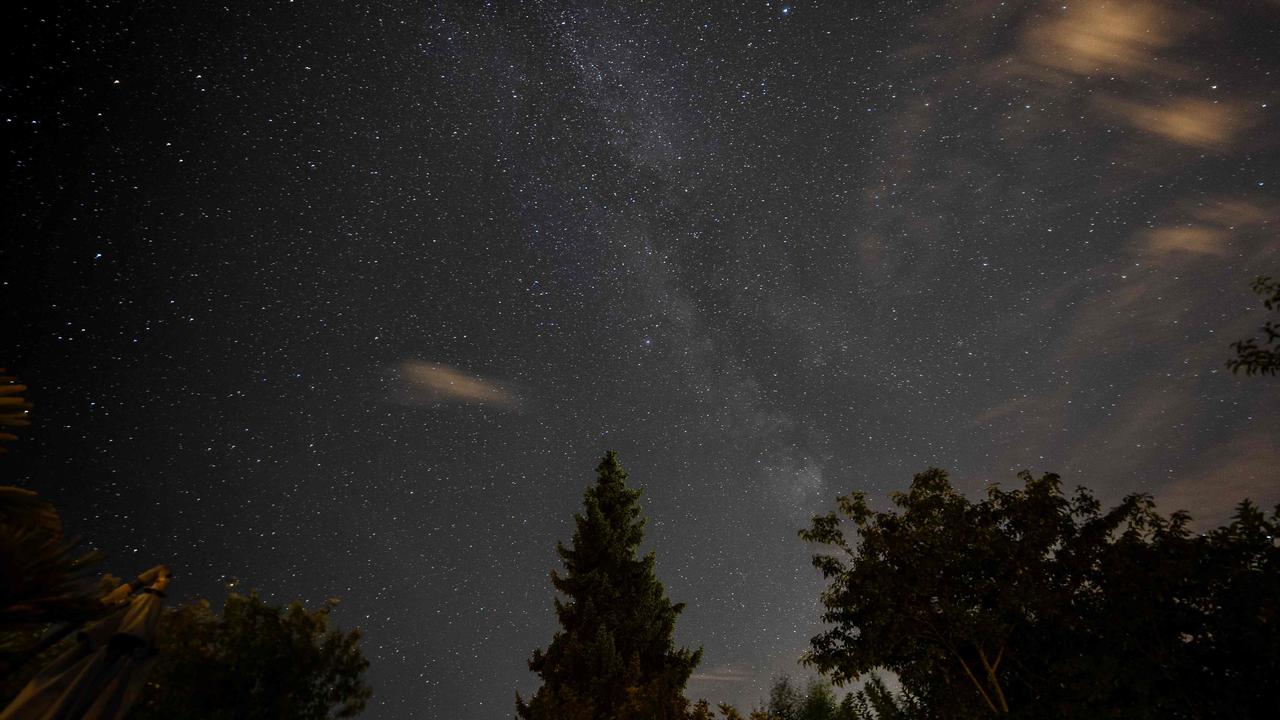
[(431, 383)]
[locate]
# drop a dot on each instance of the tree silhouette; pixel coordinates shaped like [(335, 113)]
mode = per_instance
[(254, 660), (1261, 357), (1035, 604), (614, 656)]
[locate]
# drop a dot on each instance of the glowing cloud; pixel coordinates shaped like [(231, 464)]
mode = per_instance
[(1235, 213), (1190, 121), (1211, 230), (1194, 239), (1104, 38), (424, 383), (1243, 467), (722, 674)]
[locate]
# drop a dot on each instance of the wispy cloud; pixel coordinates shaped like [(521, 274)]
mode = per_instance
[(723, 674), (424, 383), (1100, 38), (1193, 239), (1195, 122), (1210, 229), (1246, 467), (1233, 213)]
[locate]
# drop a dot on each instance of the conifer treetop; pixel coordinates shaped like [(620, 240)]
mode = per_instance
[(614, 656)]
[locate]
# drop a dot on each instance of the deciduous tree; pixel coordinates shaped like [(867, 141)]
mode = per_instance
[(1261, 357), (255, 660), (1033, 603)]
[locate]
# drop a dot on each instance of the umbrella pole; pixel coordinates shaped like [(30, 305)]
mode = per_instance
[(44, 643), (57, 634)]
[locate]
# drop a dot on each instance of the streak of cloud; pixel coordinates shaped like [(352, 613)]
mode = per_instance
[(1246, 467), (1195, 122), (1193, 239), (424, 383), (1211, 229), (722, 674), (1106, 39), (1233, 213)]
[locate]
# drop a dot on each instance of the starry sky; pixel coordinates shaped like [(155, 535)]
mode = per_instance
[(348, 298)]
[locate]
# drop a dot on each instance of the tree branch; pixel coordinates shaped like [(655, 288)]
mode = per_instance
[(974, 680), (991, 675)]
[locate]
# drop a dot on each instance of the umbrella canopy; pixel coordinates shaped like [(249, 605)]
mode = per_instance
[(100, 678)]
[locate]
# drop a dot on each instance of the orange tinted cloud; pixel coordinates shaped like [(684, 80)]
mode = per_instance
[(1193, 239), (1105, 38), (722, 674), (1189, 121), (428, 383), (1232, 213), (1213, 228), (1246, 467)]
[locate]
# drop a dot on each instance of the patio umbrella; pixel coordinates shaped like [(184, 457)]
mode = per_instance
[(101, 677)]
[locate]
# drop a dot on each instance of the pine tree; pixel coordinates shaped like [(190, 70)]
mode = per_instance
[(614, 656)]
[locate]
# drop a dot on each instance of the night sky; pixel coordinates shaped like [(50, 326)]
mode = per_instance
[(348, 299)]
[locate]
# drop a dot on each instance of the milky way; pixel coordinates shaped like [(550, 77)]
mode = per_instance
[(348, 299)]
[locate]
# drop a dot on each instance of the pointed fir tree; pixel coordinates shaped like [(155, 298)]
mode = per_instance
[(614, 656)]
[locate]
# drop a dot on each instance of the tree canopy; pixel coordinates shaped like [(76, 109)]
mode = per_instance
[(1261, 357), (1033, 603), (614, 656), (255, 660), (818, 700)]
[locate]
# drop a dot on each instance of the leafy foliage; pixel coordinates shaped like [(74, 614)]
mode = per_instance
[(701, 710), (254, 661), (1040, 605), (1252, 356), (818, 701), (875, 701), (614, 656)]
